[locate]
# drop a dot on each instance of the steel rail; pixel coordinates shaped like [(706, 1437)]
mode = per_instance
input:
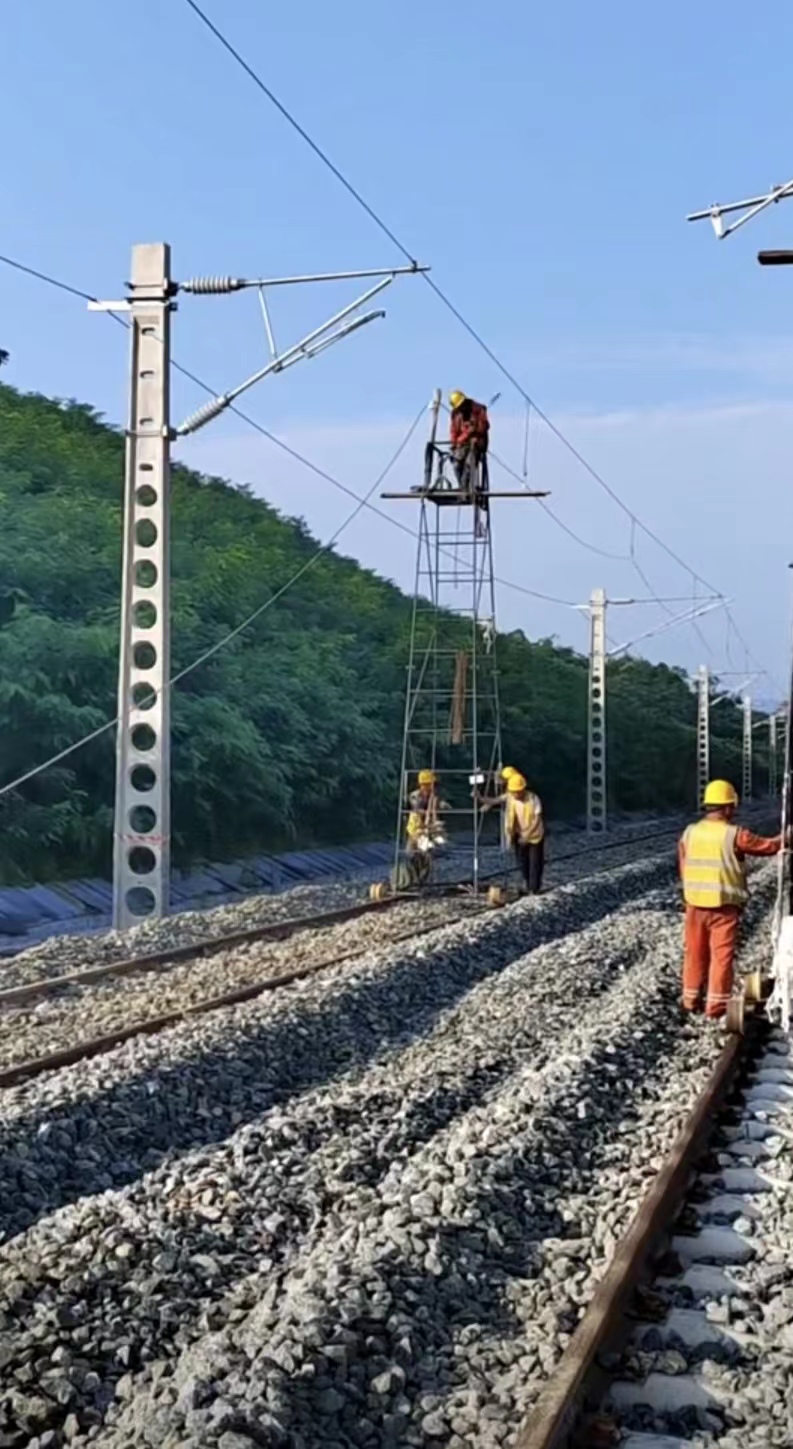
[(33, 1067), (556, 1416), (19, 1072), (207, 946), (267, 931), (283, 930)]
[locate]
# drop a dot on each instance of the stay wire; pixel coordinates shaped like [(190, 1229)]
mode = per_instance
[(45, 277)]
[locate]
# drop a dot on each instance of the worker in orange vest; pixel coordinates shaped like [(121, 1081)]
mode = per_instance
[(712, 857)]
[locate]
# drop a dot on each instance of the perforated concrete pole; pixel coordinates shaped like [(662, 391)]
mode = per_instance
[(596, 816), (703, 731), (142, 826), (746, 784)]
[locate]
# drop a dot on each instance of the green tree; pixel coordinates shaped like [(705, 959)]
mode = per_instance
[(291, 734)]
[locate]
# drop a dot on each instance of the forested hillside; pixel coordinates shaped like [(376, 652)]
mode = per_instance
[(290, 735)]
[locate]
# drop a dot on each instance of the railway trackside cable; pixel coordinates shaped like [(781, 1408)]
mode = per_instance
[(362, 501), (477, 337), (635, 520), (365, 501), (233, 633), (67, 287)]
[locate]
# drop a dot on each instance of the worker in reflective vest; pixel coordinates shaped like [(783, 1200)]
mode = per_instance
[(489, 802), (422, 825), (525, 830), (712, 856)]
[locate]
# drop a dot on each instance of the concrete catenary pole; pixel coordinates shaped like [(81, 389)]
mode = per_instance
[(142, 829), (596, 801), (703, 731), (746, 787)]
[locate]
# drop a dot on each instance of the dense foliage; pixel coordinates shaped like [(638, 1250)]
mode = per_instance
[(292, 733)]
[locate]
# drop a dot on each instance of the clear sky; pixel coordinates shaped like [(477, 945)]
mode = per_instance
[(542, 160)]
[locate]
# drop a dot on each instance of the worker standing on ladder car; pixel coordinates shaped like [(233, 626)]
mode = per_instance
[(525, 830), (469, 434), (422, 827), (712, 856)]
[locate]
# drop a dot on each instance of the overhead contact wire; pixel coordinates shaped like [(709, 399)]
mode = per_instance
[(472, 331)]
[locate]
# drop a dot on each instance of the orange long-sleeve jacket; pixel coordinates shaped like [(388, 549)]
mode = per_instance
[(469, 421)]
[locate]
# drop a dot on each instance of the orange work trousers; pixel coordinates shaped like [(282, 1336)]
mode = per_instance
[(711, 939)]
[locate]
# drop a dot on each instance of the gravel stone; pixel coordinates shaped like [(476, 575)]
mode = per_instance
[(748, 1375), (359, 1208)]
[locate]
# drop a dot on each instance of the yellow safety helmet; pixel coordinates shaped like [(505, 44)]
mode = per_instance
[(426, 777), (720, 792), (508, 771), (516, 783), (455, 398)]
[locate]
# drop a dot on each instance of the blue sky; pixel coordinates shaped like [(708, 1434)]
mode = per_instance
[(543, 163)]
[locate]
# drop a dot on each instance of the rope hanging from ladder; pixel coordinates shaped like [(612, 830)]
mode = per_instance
[(457, 713)]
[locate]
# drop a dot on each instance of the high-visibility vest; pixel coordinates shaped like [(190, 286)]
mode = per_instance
[(423, 814), (524, 819), (713, 875)]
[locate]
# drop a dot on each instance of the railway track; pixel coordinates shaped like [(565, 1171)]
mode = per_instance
[(365, 1211), (181, 979), (252, 984), (135, 1012), (675, 1341), (280, 930), (193, 951), (270, 929)]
